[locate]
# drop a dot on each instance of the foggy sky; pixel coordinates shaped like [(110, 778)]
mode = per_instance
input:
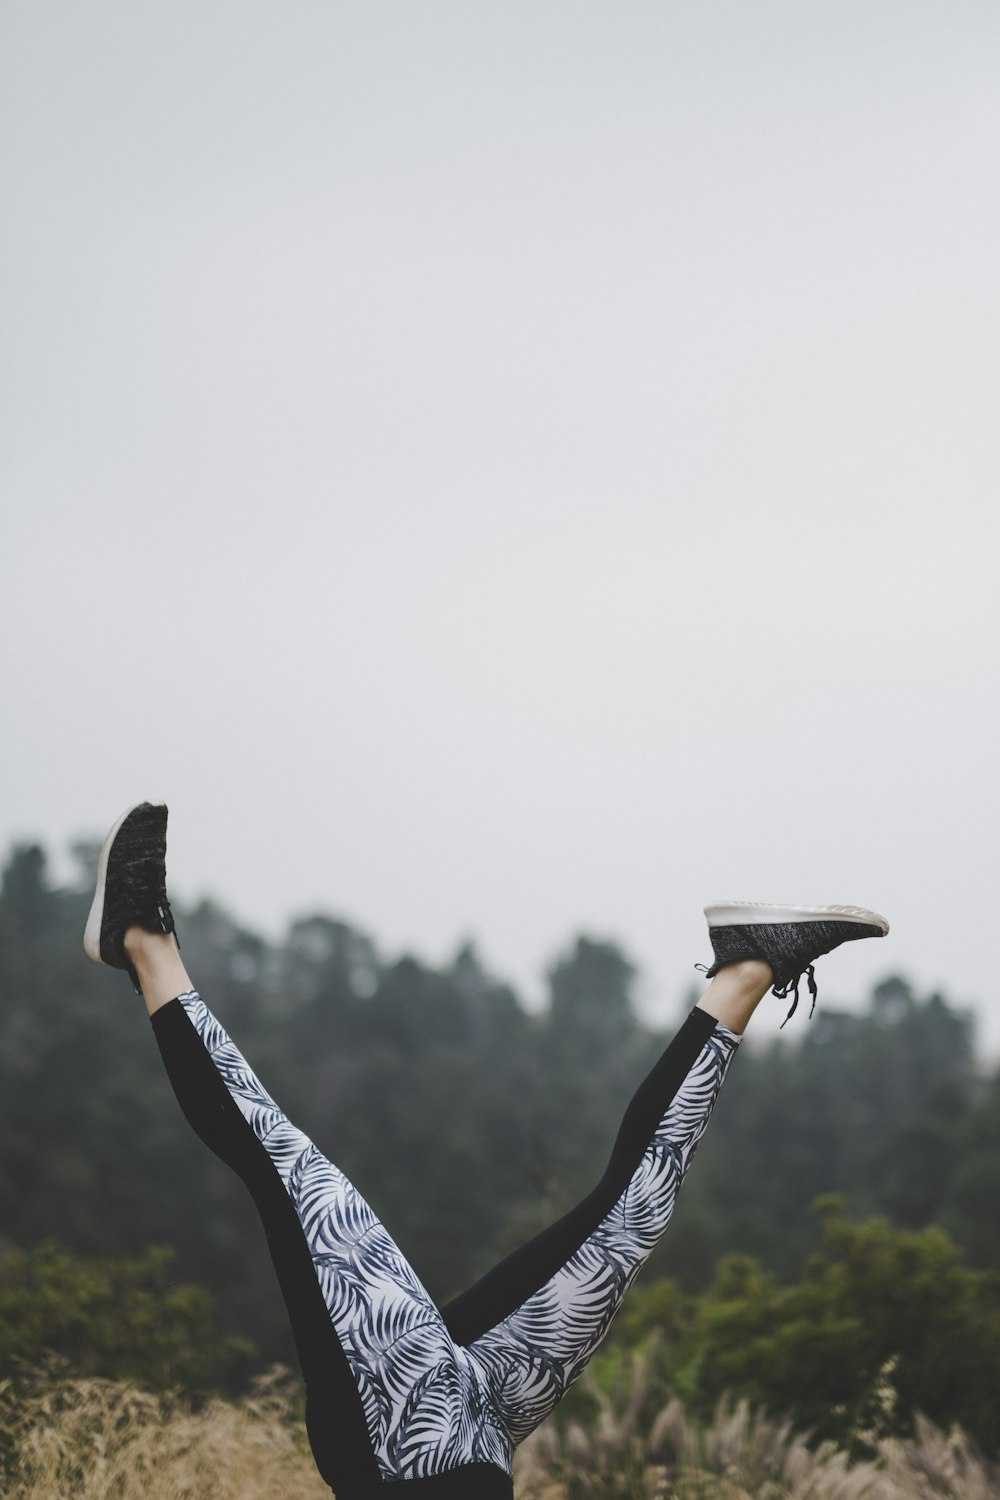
[(509, 470)]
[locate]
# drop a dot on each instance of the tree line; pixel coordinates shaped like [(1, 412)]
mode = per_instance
[(468, 1122)]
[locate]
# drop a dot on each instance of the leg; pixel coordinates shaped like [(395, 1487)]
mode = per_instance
[(735, 993), (389, 1395), (156, 960), (312, 1217), (532, 1324)]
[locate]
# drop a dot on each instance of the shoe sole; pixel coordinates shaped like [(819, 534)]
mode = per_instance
[(757, 913), (92, 931)]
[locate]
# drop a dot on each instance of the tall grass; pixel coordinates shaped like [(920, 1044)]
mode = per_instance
[(740, 1455), (106, 1440)]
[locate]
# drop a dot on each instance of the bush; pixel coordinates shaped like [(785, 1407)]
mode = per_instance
[(120, 1319)]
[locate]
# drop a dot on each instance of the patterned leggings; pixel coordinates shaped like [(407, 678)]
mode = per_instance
[(398, 1390)]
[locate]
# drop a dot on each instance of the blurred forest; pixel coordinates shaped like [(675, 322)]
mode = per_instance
[(469, 1123)]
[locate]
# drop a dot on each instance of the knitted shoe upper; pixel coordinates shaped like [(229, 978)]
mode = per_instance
[(135, 884)]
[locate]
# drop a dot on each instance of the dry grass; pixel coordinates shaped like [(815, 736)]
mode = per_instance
[(104, 1440)]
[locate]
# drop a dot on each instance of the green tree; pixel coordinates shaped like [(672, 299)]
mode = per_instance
[(117, 1318), (874, 1299), (970, 1206), (590, 995)]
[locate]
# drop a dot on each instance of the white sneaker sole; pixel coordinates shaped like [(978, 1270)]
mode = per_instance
[(757, 913), (92, 931)]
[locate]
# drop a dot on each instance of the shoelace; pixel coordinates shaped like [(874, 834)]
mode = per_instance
[(791, 987)]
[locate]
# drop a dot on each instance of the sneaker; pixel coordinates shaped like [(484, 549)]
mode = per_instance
[(131, 886), (789, 938)]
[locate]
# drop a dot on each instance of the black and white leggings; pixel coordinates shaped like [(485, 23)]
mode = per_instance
[(399, 1391)]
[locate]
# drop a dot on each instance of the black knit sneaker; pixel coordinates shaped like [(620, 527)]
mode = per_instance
[(131, 886), (789, 938)]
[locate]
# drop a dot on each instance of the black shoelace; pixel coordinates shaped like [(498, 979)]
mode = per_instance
[(791, 987)]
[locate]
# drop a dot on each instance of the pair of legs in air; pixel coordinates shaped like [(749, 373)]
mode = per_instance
[(401, 1392)]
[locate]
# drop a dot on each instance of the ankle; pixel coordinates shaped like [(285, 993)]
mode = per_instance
[(159, 968), (140, 944), (736, 991), (751, 976)]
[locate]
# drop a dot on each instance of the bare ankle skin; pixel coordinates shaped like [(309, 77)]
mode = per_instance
[(158, 966), (736, 991)]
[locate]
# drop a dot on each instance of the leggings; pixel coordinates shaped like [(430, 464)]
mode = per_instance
[(400, 1392)]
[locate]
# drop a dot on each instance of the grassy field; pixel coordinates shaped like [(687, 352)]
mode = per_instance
[(105, 1440)]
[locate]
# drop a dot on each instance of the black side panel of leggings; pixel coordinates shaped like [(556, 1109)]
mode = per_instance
[(344, 1457), (520, 1275)]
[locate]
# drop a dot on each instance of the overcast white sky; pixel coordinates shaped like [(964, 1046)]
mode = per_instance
[(512, 469)]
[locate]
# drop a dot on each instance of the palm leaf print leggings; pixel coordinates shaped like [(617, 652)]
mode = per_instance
[(404, 1398)]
